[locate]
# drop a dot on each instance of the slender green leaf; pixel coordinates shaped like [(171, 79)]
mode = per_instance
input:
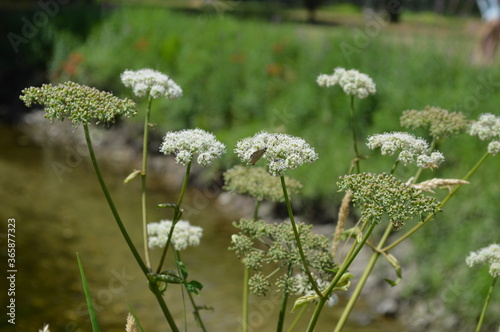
[(93, 317)]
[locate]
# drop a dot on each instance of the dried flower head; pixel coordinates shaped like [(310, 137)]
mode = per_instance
[(351, 81), (282, 151), (259, 243), (185, 143), (411, 149), (486, 128), (440, 122), (257, 182), (152, 82), (435, 183), (376, 194), (131, 325), (184, 234), (489, 255), (79, 103)]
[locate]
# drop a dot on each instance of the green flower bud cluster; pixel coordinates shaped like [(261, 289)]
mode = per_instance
[(377, 194), (257, 182), (440, 122), (259, 243), (79, 103)]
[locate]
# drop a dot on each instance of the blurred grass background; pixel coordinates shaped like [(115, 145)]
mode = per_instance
[(241, 76)]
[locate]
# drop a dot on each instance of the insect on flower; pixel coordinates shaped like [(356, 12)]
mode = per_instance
[(257, 155)]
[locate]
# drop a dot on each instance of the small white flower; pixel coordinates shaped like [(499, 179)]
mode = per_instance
[(184, 234), (185, 143), (351, 81), (281, 150), (487, 127), (494, 147), (489, 255), (303, 287), (432, 161), (150, 81)]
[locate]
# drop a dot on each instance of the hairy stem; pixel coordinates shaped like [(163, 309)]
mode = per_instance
[(143, 180)]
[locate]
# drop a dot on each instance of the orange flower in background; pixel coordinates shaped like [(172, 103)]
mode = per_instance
[(238, 58), (70, 66), (141, 44), (274, 69), (278, 48)]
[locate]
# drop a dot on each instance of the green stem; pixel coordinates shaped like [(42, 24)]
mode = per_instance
[(177, 216), (297, 319), (297, 239), (343, 268), (246, 276), (486, 302), (357, 291), (284, 300), (125, 235), (443, 203), (256, 210), (354, 135), (394, 167), (143, 178)]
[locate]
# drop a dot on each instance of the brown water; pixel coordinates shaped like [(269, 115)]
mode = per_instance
[(59, 215)]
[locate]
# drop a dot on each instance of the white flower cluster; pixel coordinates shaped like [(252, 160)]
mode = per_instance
[(303, 287), (486, 128), (410, 147), (152, 82), (351, 81), (489, 255), (281, 150), (184, 234), (185, 143)]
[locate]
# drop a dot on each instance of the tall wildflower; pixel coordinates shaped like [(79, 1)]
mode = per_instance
[(186, 143), (151, 82), (487, 128), (411, 149), (79, 103), (351, 81), (282, 151), (441, 123)]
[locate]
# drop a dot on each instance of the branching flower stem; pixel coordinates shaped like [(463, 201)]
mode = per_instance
[(343, 268), (143, 180), (135, 253), (443, 203), (486, 302), (177, 216), (284, 300), (297, 239)]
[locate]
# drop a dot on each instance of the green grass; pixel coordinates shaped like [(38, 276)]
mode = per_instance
[(240, 77)]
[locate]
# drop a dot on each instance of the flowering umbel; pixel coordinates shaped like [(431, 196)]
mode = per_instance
[(282, 151), (257, 182), (151, 82), (377, 194), (79, 103), (411, 149), (489, 255), (185, 143), (488, 128), (184, 234), (351, 81)]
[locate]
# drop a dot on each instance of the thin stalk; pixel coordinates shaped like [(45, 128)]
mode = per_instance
[(297, 319), (486, 302), (177, 216), (357, 291), (284, 300), (143, 180), (394, 167), (297, 239), (135, 253), (343, 268), (244, 323), (354, 135), (256, 210), (443, 203)]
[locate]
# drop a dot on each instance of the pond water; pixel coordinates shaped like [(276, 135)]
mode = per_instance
[(60, 215)]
